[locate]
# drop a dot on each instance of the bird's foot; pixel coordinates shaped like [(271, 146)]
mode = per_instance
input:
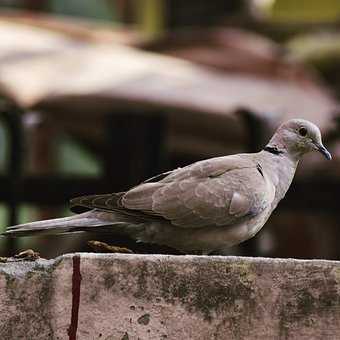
[(101, 247), (27, 255)]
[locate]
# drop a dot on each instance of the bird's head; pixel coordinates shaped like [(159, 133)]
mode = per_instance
[(299, 136)]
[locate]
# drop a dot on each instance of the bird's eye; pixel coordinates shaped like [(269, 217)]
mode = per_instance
[(303, 131)]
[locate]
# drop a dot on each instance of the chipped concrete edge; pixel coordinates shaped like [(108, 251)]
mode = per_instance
[(20, 268), (130, 296)]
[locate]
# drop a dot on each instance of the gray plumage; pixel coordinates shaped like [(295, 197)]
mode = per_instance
[(206, 206)]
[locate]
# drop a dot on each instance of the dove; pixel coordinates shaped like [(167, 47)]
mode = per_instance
[(202, 208)]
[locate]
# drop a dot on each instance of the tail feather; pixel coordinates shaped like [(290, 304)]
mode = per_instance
[(76, 223)]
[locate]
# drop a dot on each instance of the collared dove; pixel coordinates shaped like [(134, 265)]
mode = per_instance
[(204, 207)]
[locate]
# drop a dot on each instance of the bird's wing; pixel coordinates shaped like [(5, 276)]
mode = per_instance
[(211, 167), (218, 198), (109, 201), (104, 202), (220, 191)]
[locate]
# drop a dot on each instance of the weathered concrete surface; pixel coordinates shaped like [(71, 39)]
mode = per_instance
[(88, 296)]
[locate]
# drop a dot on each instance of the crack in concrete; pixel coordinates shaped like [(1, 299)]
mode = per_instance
[(76, 281)]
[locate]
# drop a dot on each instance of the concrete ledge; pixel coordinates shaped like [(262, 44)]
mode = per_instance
[(97, 296)]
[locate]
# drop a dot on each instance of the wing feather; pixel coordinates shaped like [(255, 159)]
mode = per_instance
[(214, 192)]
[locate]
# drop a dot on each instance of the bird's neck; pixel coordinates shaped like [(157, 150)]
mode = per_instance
[(277, 149), (281, 167), (279, 145)]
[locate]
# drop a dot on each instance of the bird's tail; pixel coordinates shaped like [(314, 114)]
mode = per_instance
[(81, 222)]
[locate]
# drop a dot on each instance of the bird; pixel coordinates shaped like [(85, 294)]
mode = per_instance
[(202, 208)]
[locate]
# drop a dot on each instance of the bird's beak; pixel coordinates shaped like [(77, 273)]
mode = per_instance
[(323, 150)]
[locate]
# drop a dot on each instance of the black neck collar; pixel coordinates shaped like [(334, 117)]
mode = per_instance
[(274, 150)]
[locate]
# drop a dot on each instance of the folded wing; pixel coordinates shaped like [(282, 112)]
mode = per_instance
[(217, 192)]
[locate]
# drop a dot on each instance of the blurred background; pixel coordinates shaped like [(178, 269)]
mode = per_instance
[(96, 96)]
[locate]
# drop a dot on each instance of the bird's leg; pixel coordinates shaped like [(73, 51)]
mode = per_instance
[(101, 247)]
